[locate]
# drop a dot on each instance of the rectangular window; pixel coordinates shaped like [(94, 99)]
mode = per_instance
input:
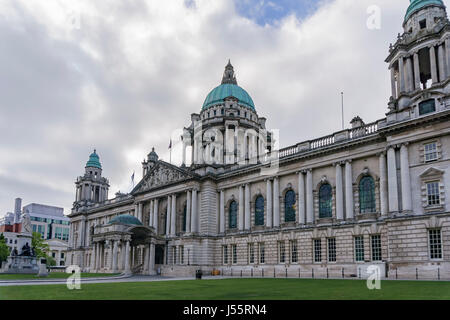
[(435, 243), (294, 251), (433, 197), (62, 255), (234, 252), (317, 250), (251, 253), (359, 248), (376, 247), (331, 249), (281, 252), (174, 255), (431, 151), (262, 256), (181, 251), (427, 107), (225, 254)]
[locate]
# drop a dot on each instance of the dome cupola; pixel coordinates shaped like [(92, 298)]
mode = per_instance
[(417, 5), (94, 161)]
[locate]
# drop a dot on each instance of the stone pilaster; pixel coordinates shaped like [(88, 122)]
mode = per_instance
[(405, 178), (349, 205), (392, 180), (276, 202), (309, 197), (339, 192), (269, 219)]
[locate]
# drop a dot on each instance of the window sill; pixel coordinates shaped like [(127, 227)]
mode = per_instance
[(367, 216)]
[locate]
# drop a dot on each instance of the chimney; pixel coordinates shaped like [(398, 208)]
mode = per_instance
[(17, 210)]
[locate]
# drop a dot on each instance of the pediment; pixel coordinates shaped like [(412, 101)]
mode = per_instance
[(432, 172), (162, 174)]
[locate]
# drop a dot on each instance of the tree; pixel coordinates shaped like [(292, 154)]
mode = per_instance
[(4, 250), (50, 261), (39, 246)]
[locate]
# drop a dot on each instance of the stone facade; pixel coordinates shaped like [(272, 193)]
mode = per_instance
[(373, 194)]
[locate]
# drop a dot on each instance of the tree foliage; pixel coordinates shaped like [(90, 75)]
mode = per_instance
[(40, 247), (4, 250)]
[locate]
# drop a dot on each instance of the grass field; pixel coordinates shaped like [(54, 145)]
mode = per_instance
[(54, 275), (236, 289)]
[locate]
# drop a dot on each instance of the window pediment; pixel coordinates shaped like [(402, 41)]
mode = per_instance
[(432, 173)]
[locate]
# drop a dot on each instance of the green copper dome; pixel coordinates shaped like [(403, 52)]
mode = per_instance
[(416, 5), (228, 88), (94, 161), (126, 219), (218, 94)]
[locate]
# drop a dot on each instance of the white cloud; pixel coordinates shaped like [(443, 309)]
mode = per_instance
[(133, 72)]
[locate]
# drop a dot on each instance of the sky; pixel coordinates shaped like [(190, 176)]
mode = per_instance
[(124, 76)]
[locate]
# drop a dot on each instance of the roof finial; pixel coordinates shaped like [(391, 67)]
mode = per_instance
[(228, 75)]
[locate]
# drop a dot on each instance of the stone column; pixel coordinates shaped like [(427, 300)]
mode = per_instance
[(383, 185), (146, 259), (416, 72), (96, 256), (194, 218), (195, 151), (93, 257), (433, 64), (114, 256), (222, 212), (188, 211), (127, 258), (241, 208), (155, 215), (183, 148), (447, 55), (150, 214), (309, 197), (339, 193), (442, 74), (168, 214), (409, 74), (247, 207), (349, 190), (140, 211), (393, 85), (151, 267), (276, 202), (173, 218), (82, 231), (301, 198), (392, 180), (406, 178), (401, 75), (269, 203)]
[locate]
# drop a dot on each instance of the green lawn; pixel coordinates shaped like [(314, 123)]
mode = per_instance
[(236, 289), (52, 275)]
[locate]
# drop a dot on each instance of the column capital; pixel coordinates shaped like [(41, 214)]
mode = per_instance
[(404, 144), (348, 161), (381, 153)]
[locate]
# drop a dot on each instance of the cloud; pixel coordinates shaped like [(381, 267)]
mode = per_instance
[(121, 77)]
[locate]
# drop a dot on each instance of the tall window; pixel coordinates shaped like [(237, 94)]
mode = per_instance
[(289, 210), (435, 243), (251, 253), (367, 195), (259, 211), (184, 218), (317, 250), (325, 201), (225, 254), (294, 251), (233, 215), (331, 249), (262, 253), (174, 254), (181, 253), (433, 197), (431, 151), (359, 248), (234, 253), (376, 247), (281, 252)]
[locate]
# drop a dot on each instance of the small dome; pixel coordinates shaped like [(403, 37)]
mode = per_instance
[(126, 219), (152, 156), (94, 161), (417, 5), (220, 93)]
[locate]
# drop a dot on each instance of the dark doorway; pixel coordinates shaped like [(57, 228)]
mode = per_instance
[(159, 254)]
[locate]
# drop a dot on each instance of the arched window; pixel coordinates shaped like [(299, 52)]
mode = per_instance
[(259, 211), (184, 218), (289, 210), (325, 201), (233, 215), (367, 195)]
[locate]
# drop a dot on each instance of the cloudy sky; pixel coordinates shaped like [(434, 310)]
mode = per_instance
[(122, 76)]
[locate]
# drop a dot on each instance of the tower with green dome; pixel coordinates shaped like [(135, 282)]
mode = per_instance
[(419, 62), (228, 129), (91, 188)]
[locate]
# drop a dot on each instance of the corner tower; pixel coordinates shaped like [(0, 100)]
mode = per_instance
[(91, 188), (419, 62)]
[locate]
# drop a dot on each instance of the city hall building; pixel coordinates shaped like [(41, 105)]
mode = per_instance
[(377, 193)]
